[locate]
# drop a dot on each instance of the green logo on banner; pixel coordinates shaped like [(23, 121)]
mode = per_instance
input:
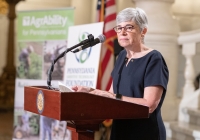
[(44, 25), (49, 20), (84, 54)]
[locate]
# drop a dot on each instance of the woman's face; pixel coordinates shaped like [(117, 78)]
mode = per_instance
[(130, 35)]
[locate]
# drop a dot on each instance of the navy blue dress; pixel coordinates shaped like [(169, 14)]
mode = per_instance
[(130, 81)]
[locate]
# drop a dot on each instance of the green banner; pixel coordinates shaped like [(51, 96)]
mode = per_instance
[(44, 25), (41, 37)]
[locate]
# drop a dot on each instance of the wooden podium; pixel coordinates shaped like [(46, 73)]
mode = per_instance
[(84, 112)]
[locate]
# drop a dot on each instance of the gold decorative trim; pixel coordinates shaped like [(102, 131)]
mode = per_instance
[(40, 101), (3, 7)]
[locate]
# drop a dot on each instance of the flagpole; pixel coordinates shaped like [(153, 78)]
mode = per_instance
[(102, 11)]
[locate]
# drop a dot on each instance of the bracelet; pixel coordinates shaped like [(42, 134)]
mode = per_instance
[(118, 96), (91, 89)]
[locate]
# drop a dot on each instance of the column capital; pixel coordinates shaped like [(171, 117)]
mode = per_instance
[(13, 1), (170, 1), (3, 7)]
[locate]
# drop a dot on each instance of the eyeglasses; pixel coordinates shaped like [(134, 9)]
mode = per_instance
[(127, 28)]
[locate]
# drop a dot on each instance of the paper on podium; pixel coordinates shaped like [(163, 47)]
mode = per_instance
[(64, 88)]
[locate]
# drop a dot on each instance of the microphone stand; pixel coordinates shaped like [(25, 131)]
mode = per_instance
[(90, 37)]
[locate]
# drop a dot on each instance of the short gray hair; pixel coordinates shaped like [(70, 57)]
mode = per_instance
[(136, 15)]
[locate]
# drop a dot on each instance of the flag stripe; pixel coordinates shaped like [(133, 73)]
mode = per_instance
[(110, 3), (98, 15), (110, 17), (111, 35), (105, 60), (109, 26), (109, 83), (106, 75), (109, 45), (110, 10)]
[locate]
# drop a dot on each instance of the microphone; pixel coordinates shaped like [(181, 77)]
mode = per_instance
[(90, 39), (100, 39)]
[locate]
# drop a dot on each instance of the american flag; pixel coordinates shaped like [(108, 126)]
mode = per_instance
[(106, 11)]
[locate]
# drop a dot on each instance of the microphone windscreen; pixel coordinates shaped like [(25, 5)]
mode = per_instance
[(101, 38)]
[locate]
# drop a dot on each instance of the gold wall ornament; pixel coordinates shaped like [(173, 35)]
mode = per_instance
[(3, 7)]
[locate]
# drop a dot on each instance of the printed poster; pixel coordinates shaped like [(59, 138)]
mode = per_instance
[(41, 37)]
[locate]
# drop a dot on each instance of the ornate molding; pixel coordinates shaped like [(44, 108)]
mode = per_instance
[(189, 37), (13, 1), (3, 7)]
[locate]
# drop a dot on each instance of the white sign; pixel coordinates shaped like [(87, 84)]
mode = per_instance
[(82, 67)]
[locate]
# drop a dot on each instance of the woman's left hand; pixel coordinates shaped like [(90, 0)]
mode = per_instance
[(103, 93)]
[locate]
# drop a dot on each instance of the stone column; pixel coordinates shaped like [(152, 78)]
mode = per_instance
[(189, 50), (190, 97), (162, 35), (7, 79)]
